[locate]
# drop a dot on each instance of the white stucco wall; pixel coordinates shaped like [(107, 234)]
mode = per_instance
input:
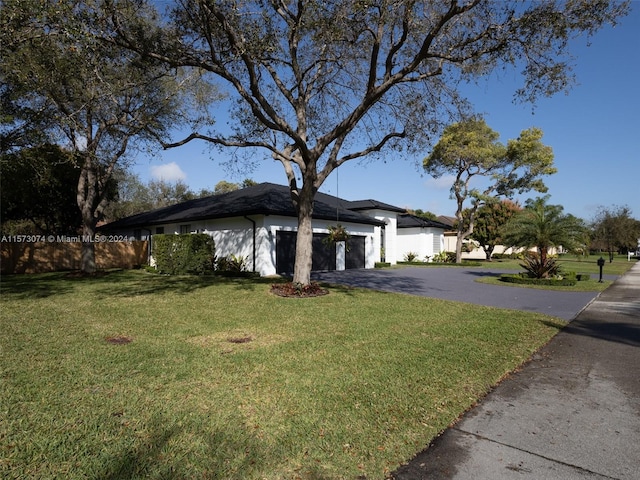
[(234, 236), (387, 240), (425, 242)]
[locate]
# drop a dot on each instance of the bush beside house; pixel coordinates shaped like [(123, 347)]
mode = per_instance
[(184, 253)]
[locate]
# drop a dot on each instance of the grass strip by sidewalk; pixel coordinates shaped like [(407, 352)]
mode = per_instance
[(222, 379)]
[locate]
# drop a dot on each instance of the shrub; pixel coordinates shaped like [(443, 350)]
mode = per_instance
[(525, 280), (536, 267), (232, 263), (410, 257), (185, 253), (445, 257), (382, 264)]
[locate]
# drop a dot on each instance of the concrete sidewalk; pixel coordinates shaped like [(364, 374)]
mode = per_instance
[(572, 412)]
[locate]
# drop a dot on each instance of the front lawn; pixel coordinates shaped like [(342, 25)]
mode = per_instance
[(134, 375)]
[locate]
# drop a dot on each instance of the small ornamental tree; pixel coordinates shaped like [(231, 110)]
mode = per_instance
[(470, 149), (490, 220)]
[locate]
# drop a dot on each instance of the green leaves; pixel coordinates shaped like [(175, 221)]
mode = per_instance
[(545, 226), (471, 149)]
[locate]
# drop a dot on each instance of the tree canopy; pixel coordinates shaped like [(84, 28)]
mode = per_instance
[(38, 191), (92, 98), (615, 230), (470, 150), (134, 196), (490, 221)]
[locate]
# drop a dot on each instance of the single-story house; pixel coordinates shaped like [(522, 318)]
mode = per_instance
[(259, 223)]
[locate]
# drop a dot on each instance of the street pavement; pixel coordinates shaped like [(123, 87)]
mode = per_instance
[(571, 412)]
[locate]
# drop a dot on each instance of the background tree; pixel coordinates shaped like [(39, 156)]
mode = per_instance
[(224, 186), (545, 226), (490, 221), (469, 150), (318, 84), (422, 214), (38, 192), (96, 100), (615, 230), (134, 196)]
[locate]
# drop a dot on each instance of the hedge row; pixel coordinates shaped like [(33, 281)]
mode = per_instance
[(192, 253), (554, 282)]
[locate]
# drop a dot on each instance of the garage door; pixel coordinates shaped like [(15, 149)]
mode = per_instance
[(354, 258), (324, 255)]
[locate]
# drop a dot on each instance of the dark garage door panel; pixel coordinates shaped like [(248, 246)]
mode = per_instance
[(324, 256), (285, 252), (354, 258)]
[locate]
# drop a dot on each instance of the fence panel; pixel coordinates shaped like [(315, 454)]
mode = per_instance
[(55, 256)]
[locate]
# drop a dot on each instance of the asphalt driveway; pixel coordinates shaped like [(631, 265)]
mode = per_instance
[(458, 284)]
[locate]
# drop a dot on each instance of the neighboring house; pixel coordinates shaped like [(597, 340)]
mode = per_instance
[(420, 236), (260, 224)]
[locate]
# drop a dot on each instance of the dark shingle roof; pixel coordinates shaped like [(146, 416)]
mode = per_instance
[(374, 205), (261, 199), (411, 221)]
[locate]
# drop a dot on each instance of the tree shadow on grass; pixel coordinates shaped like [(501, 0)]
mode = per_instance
[(30, 286), (110, 284), (162, 456), (126, 284)]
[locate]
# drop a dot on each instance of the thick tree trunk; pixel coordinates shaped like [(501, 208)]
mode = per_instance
[(459, 240), (304, 241), (488, 250), (86, 198), (88, 259)]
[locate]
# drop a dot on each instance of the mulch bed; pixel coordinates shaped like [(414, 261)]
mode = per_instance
[(292, 290)]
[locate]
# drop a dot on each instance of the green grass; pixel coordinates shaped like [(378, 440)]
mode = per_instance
[(346, 385), (589, 265), (591, 285), (619, 266)]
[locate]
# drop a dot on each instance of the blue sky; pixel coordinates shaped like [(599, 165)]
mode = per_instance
[(594, 132)]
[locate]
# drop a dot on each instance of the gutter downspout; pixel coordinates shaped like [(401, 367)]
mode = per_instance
[(254, 242)]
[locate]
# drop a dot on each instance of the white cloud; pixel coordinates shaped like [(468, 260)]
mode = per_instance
[(169, 172)]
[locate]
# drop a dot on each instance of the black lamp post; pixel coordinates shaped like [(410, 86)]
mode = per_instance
[(600, 264)]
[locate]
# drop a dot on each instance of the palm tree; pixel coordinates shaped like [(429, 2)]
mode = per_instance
[(544, 226)]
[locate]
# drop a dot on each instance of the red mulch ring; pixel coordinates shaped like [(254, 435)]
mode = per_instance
[(119, 340), (293, 290)]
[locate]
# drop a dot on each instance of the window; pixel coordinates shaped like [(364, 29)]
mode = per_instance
[(185, 228), (159, 230)]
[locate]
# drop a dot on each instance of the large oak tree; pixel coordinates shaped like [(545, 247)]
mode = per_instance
[(320, 83), (97, 101)]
